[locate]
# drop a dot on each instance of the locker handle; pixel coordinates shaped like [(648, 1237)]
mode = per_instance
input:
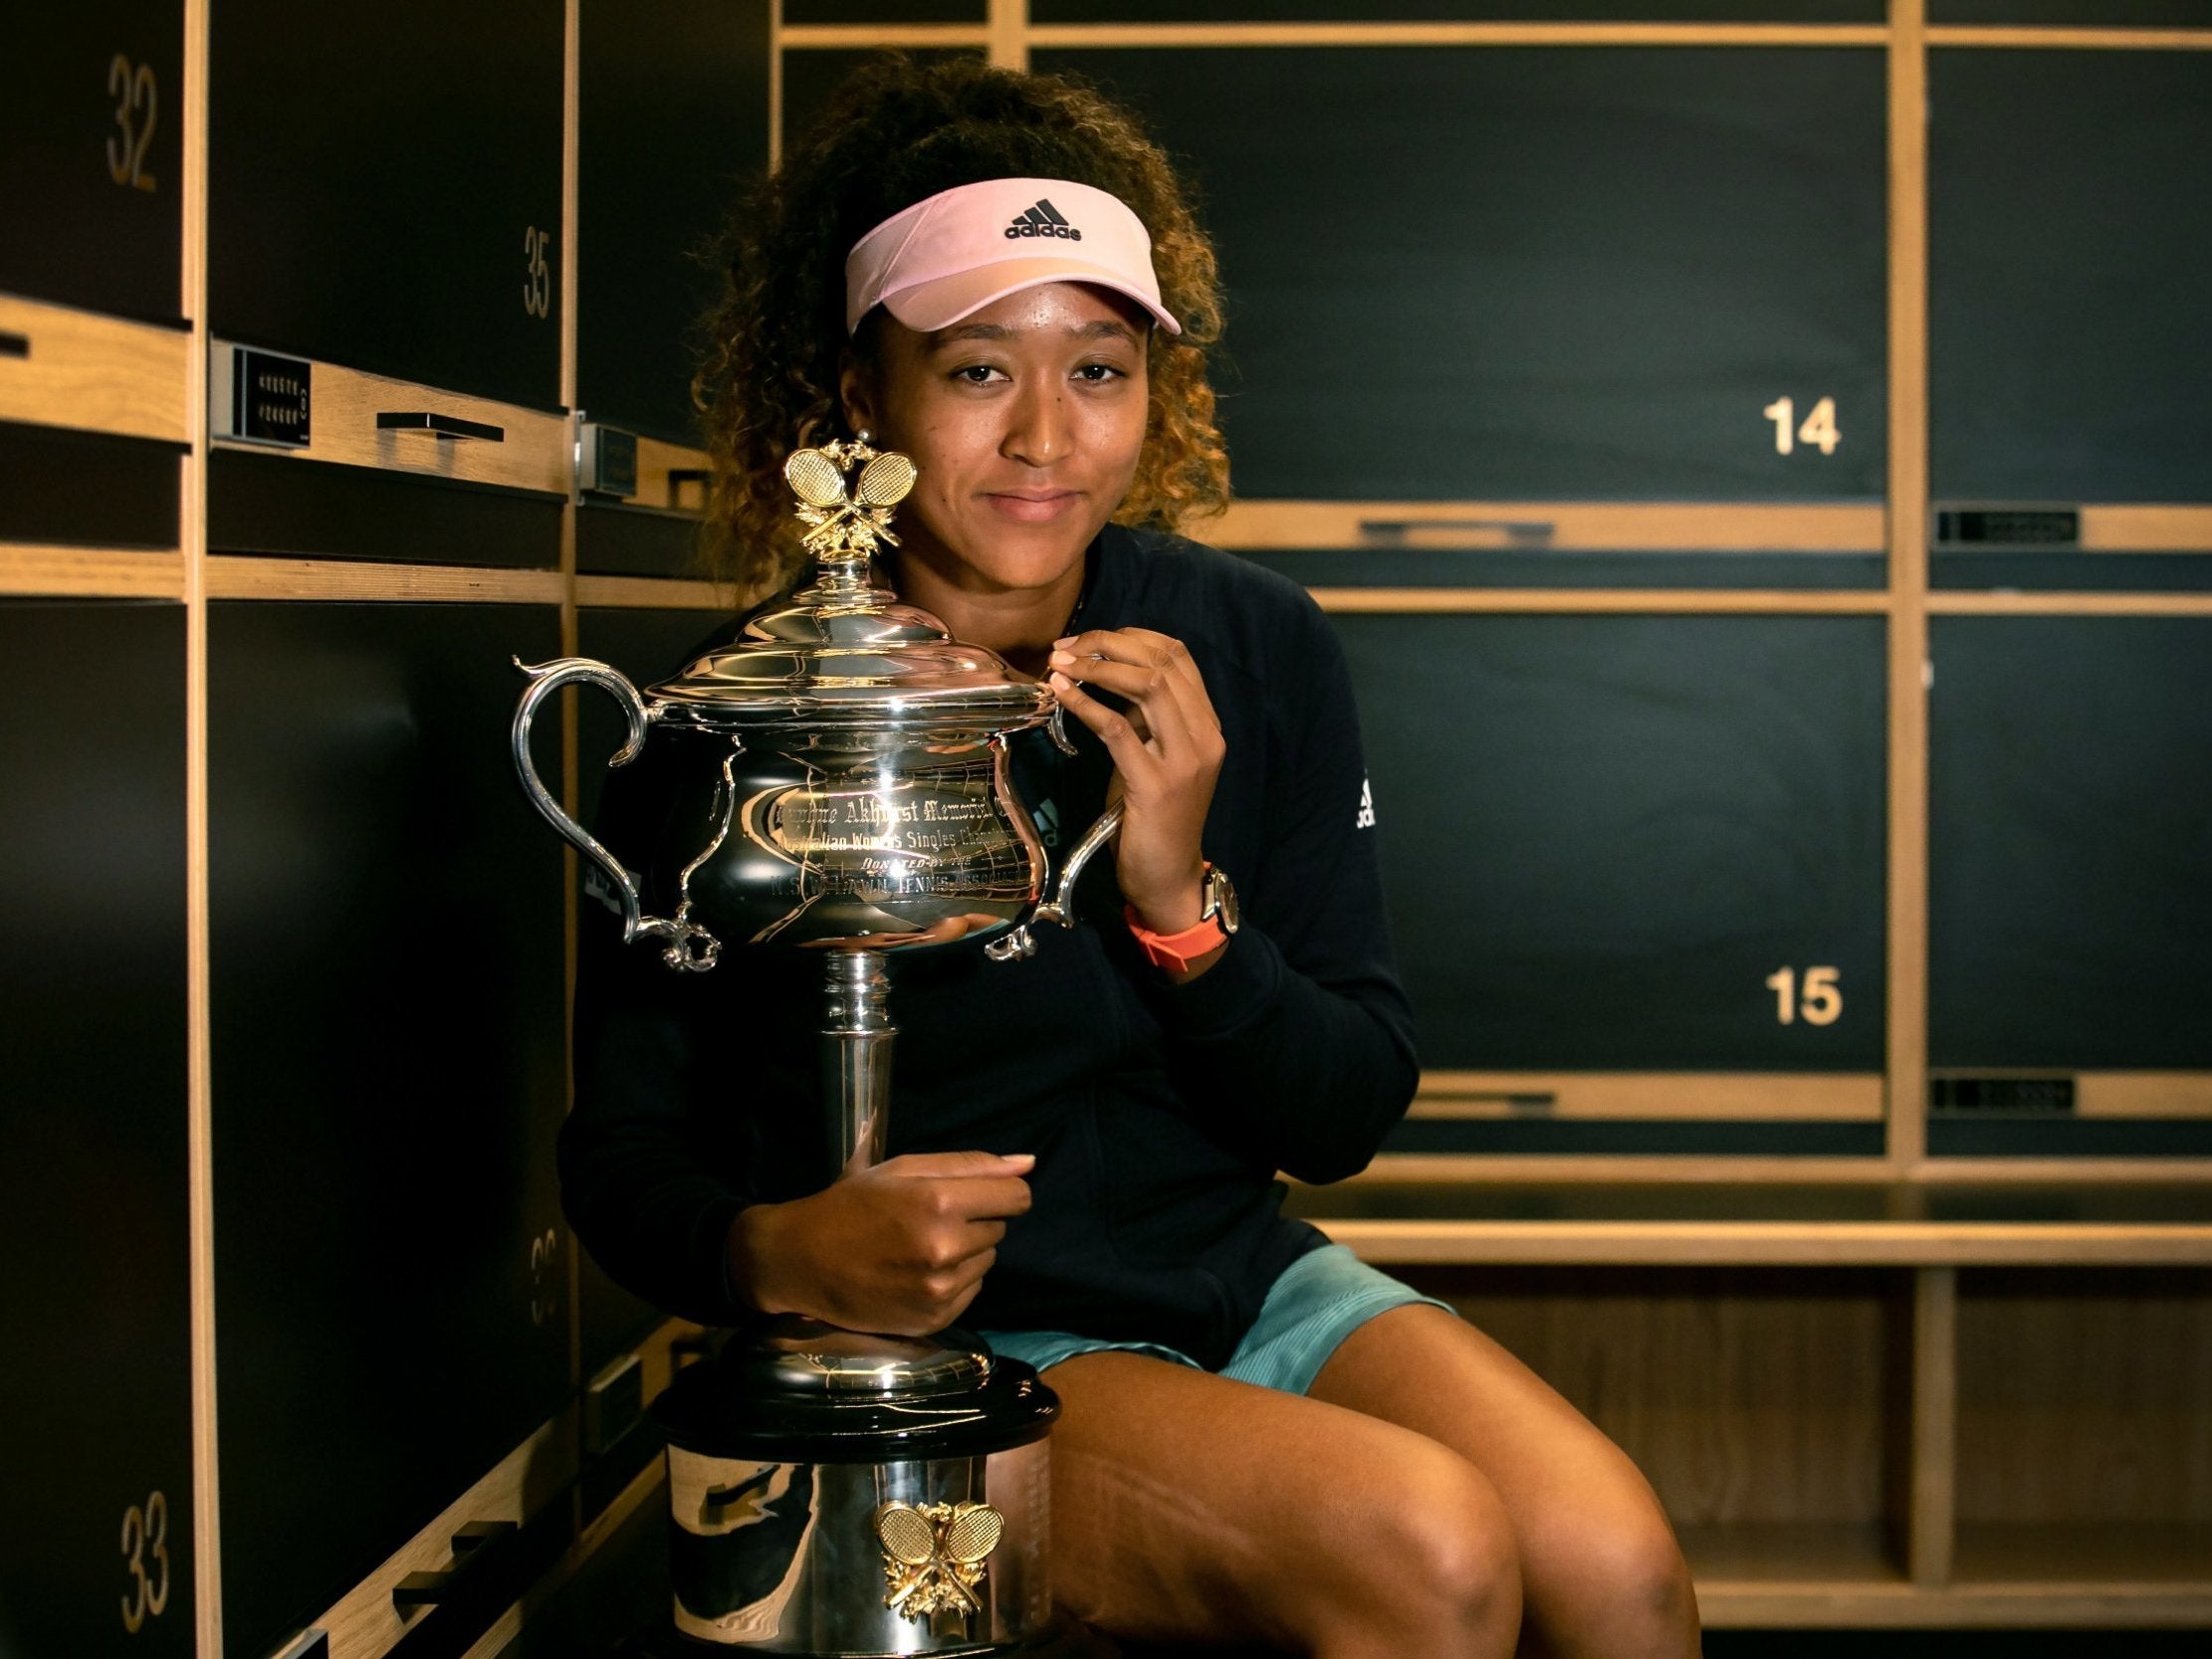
[(443, 425), (470, 1550), (1518, 532), (14, 345)]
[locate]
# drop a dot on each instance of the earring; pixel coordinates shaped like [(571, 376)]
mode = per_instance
[(863, 435)]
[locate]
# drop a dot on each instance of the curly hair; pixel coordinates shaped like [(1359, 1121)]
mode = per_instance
[(896, 133)]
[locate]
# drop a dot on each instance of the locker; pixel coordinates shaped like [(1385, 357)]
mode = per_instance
[(1538, 274), (647, 645), (2070, 325), (615, 540), (667, 137), (91, 121), (387, 1029), (811, 74), (93, 488), (385, 188), (95, 1530), (2070, 872), (268, 503), (1603, 838)]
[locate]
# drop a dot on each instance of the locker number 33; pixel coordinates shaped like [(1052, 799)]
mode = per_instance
[(1814, 997), (145, 1556)]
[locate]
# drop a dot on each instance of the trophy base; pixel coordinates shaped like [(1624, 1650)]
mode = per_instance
[(1061, 1638)]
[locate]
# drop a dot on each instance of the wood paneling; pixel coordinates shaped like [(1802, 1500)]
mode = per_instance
[(96, 373), (1742, 1396), (534, 450), (2082, 1399)]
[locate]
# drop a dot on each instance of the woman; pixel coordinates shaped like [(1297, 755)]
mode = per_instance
[(1263, 1438)]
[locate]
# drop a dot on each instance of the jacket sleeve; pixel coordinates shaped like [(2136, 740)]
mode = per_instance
[(649, 1201), (1299, 1036)]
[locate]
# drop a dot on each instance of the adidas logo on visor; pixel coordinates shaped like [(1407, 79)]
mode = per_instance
[(1044, 220)]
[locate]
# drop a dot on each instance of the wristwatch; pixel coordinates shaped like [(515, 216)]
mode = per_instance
[(1218, 919)]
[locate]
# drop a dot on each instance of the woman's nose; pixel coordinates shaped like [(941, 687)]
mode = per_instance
[(1037, 433)]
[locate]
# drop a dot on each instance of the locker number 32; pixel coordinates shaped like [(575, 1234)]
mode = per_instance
[(1819, 428), (1813, 997)]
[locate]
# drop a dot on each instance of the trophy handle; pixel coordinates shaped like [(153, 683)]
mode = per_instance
[(1019, 943), (689, 944)]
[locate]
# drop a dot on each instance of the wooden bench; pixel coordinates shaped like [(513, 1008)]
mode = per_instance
[(1863, 1403)]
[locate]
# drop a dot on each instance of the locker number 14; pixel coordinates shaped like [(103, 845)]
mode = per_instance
[(1819, 429), (1816, 998)]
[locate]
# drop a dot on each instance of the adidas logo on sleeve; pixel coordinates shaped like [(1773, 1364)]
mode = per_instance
[(1044, 220), (1366, 818)]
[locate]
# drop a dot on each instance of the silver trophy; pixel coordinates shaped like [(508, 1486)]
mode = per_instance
[(847, 795)]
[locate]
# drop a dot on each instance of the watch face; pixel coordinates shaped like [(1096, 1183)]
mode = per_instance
[(1221, 900)]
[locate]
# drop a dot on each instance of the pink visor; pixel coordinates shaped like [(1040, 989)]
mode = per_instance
[(949, 255)]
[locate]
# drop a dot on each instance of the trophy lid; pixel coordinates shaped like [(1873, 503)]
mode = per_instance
[(844, 650), (792, 1356)]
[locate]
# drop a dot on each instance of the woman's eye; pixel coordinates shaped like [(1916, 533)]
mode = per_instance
[(975, 374), (1099, 373)]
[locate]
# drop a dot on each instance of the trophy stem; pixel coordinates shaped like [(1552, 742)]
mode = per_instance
[(857, 1057)]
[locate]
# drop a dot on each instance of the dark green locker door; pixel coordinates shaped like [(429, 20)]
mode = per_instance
[(2070, 847), (92, 182), (392, 1267), (95, 1512), (1601, 837), (1537, 273), (673, 121), (2070, 325), (385, 188)]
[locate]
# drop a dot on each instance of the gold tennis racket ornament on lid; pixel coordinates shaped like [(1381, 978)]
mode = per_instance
[(848, 517)]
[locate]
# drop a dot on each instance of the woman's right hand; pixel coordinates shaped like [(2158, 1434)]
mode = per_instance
[(900, 1248)]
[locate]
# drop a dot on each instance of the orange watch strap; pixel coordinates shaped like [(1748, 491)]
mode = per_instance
[(1175, 950)]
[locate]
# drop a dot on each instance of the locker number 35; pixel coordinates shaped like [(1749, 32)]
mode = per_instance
[(1813, 997), (146, 1555), (537, 287)]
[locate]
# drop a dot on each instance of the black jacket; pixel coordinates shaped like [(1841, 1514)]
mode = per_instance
[(1159, 1114)]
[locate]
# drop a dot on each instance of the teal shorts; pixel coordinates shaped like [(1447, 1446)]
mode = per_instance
[(1319, 1299)]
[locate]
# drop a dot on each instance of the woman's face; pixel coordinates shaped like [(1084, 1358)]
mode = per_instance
[(1025, 420)]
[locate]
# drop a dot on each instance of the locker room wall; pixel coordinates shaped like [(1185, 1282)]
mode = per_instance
[(1714, 697)]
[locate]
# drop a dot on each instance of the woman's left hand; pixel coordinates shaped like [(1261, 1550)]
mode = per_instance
[(1167, 751)]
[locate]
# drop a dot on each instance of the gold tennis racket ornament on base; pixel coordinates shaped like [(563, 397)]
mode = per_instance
[(932, 1557)]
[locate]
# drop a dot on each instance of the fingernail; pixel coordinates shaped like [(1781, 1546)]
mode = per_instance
[(1063, 656), (1070, 640), (1023, 1158), (1059, 680)]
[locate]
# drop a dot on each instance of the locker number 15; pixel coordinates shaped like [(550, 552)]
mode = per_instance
[(1814, 998)]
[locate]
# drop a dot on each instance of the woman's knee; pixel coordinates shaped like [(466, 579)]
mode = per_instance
[(1616, 1583), (1433, 1550)]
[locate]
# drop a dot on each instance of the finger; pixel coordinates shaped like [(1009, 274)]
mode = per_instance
[(972, 1199), (1151, 688), (1116, 731), (1141, 647), (936, 1164)]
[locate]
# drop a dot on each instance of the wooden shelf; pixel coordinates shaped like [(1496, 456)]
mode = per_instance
[(1901, 1225)]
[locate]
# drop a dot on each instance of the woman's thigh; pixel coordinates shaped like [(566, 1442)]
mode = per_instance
[(1187, 1504), (1600, 1571)]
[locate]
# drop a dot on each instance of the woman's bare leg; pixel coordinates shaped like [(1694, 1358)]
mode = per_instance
[(1187, 1506), (1601, 1577)]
